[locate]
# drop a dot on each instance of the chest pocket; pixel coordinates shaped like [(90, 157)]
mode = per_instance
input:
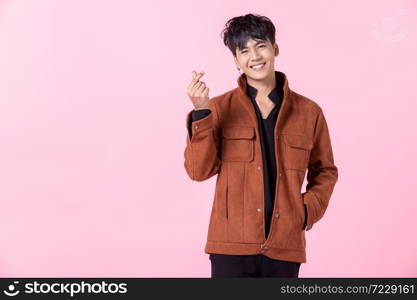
[(296, 151), (238, 143)]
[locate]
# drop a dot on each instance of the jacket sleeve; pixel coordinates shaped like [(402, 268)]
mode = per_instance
[(203, 145), (195, 116), (322, 173)]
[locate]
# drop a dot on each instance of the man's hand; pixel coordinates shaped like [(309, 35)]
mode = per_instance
[(198, 92)]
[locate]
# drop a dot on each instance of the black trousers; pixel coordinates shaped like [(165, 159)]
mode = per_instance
[(223, 265)]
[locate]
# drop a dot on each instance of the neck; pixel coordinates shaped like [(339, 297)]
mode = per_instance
[(265, 86)]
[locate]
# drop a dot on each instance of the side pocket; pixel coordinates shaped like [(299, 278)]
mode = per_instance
[(305, 217)]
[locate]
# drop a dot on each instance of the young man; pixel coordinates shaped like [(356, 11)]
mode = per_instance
[(260, 139)]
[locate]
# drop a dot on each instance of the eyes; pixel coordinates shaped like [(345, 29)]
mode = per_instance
[(260, 46)]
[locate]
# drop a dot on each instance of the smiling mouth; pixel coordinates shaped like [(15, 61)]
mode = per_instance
[(258, 67)]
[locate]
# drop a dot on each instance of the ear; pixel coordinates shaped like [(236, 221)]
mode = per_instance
[(276, 49), (236, 62)]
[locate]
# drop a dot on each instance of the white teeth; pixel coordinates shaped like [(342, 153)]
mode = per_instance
[(258, 66)]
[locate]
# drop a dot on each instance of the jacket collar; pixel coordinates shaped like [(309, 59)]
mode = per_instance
[(246, 101), (275, 95)]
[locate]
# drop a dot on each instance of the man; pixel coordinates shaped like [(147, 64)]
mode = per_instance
[(260, 139)]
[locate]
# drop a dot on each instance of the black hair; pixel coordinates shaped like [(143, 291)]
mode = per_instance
[(240, 29)]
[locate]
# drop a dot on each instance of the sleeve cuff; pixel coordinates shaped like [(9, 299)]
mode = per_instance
[(199, 114), (196, 126)]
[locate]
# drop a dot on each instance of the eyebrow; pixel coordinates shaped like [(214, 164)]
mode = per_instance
[(257, 43)]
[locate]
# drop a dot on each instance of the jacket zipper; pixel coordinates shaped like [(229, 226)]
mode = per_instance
[(278, 172), (277, 162)]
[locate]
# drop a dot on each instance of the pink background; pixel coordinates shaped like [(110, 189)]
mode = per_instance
[(92, 128)]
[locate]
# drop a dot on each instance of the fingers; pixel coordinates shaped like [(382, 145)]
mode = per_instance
[(194, 73), (202, 91), (195, 83), (206, 91), (196, 77), (199, 90)]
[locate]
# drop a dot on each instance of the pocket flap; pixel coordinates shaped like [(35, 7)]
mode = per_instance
[(298, 141), (237, 132)]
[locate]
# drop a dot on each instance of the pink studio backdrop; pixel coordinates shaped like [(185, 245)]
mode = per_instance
[(92, 128)]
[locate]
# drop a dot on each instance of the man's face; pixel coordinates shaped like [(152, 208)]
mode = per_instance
[(254, 53)]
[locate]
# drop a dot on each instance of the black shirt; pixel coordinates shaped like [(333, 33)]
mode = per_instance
[(266, 132)]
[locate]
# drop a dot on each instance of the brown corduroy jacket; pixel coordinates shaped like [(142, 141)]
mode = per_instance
[(226, 143)]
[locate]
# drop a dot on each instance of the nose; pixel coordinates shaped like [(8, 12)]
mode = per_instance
[(255, 55)]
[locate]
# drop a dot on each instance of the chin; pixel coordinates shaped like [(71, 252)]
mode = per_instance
[(258, 75)]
